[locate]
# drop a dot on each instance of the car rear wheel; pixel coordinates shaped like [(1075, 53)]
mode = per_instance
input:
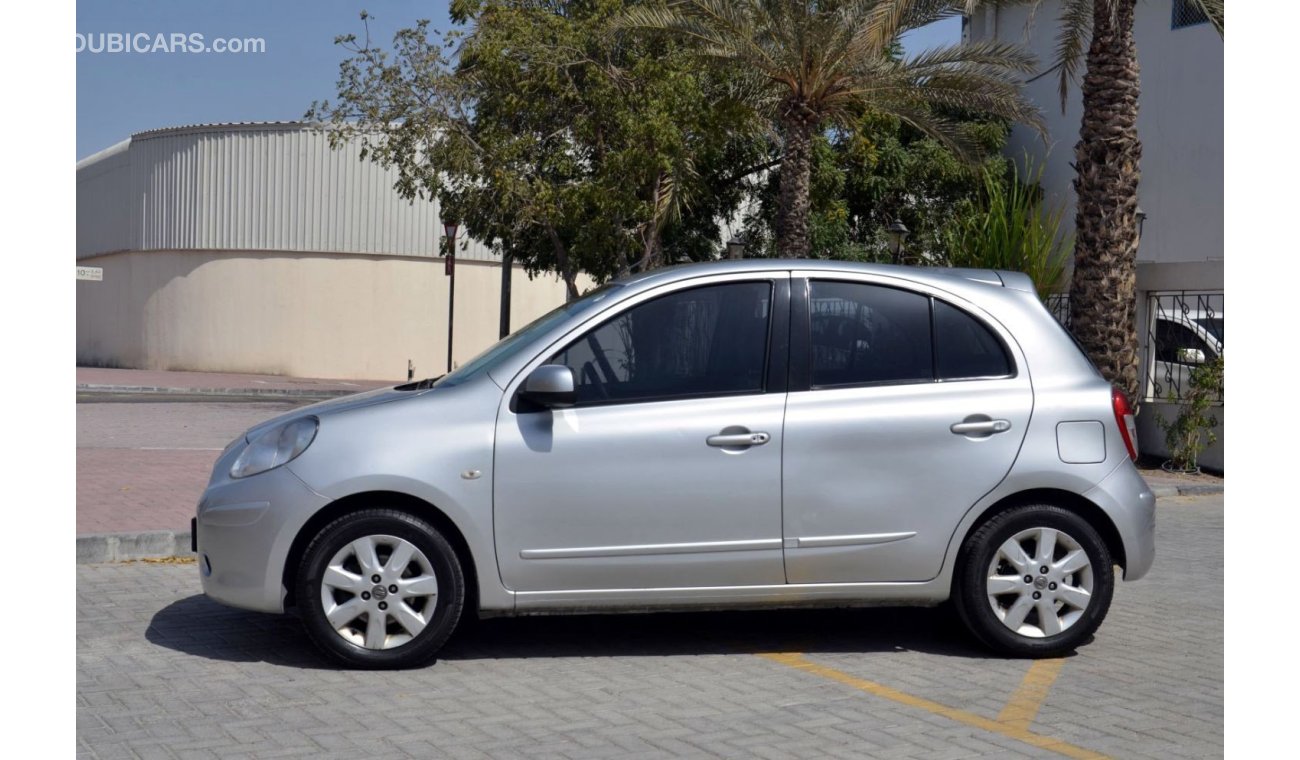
[(380, 589), (1034, 581)]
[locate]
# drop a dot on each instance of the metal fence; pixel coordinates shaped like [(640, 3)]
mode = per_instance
[(1059, 305), (1183, 330)]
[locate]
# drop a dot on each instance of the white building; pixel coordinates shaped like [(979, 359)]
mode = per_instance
[(257, 248), (1180, 123)]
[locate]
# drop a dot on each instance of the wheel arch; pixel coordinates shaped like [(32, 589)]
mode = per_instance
[(1094, 514), (402, 502)]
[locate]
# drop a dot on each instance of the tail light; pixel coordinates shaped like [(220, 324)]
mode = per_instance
[(1124, 418)]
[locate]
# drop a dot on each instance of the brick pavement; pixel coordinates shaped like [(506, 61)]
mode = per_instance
[(142, 466), (162, 672)]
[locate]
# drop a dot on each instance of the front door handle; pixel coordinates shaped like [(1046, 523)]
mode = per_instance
[(980, 427), (727, 440)]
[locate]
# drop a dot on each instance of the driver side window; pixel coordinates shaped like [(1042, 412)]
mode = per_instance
[(708, 341)]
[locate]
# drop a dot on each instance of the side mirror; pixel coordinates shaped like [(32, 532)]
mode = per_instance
[(550, 386), (1191, 356)]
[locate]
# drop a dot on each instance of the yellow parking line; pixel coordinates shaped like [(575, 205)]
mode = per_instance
[(1024, 704), (1008, 729)]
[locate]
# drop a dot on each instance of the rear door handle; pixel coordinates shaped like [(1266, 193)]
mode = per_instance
[(981, 427), (738, 439)]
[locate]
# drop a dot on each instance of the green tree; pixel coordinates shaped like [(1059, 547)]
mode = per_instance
[(568, 148), (878, 168), (811, 63), (1098, 35)]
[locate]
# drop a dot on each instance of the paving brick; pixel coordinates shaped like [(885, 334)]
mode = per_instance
[(163, 672)]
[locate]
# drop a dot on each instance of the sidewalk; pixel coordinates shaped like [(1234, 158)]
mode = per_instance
[(140, 474), (142, 467), (101, 380), (1164, 484)]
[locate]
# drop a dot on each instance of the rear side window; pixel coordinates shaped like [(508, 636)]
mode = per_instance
[(867, 334), (864, 334), (964, 348)]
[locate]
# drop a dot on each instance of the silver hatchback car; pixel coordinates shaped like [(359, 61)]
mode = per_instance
[(735, 434)]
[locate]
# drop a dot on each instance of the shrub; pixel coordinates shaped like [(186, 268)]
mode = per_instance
[(1013, 229), (1192, 431)]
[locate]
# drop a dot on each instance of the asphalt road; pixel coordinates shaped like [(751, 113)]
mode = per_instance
[(164, 672)]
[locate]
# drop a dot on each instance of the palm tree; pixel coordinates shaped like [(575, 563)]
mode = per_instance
[(1103, 298), (811, 63)]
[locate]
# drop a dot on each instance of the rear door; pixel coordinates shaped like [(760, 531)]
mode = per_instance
[(906, 406)]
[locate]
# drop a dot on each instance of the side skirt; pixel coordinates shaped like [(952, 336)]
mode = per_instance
[(923, 594)]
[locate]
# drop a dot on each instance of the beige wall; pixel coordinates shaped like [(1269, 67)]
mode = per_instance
[(298, 314)]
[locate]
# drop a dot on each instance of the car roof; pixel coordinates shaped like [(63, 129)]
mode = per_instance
[(937, 276)]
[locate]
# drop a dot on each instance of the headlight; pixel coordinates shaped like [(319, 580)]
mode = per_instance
[(274, 447)]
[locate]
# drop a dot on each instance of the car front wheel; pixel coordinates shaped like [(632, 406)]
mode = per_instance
[(1034, 581), (380, 589)]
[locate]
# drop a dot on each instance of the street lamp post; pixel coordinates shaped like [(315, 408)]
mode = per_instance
[(735, 248), (1141, 220), (898, 232), (507, 266), (449, 231)]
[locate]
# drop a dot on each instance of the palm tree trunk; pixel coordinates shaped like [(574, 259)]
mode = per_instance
[(1102, 291), (797, 123)]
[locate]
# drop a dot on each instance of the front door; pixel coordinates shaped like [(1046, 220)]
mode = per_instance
[(904, 410), (667, 472)]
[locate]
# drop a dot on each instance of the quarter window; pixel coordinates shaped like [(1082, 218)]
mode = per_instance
[(964, 348), (864, 334), (705, 341)]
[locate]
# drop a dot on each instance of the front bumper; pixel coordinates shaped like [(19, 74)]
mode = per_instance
[(1124, 496), (244, 530)]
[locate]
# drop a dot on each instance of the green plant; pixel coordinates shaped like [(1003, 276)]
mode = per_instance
[(1192, 431), (805, 65), (1013, 229)]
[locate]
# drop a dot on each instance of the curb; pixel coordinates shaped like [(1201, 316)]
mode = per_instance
[(122, 547), (152, 544), (1164, 491), (159, 544), (271, 392)]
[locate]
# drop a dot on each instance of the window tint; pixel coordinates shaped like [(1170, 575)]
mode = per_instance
[(1171, 336), (964, 347), (699, 342), (868, 334)]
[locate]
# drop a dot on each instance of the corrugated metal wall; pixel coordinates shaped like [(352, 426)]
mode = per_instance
[(103, 205), (272, 187)]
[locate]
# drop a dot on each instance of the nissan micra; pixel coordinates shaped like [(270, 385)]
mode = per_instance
[(735, 434)]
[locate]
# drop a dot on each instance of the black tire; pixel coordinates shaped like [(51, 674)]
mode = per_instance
[(972, 578), (444, 565)]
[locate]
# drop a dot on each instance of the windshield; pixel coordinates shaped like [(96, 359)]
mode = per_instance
[(507, 347)]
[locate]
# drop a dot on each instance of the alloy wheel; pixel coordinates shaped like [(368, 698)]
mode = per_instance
[(1040, 582), (379, 592)]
